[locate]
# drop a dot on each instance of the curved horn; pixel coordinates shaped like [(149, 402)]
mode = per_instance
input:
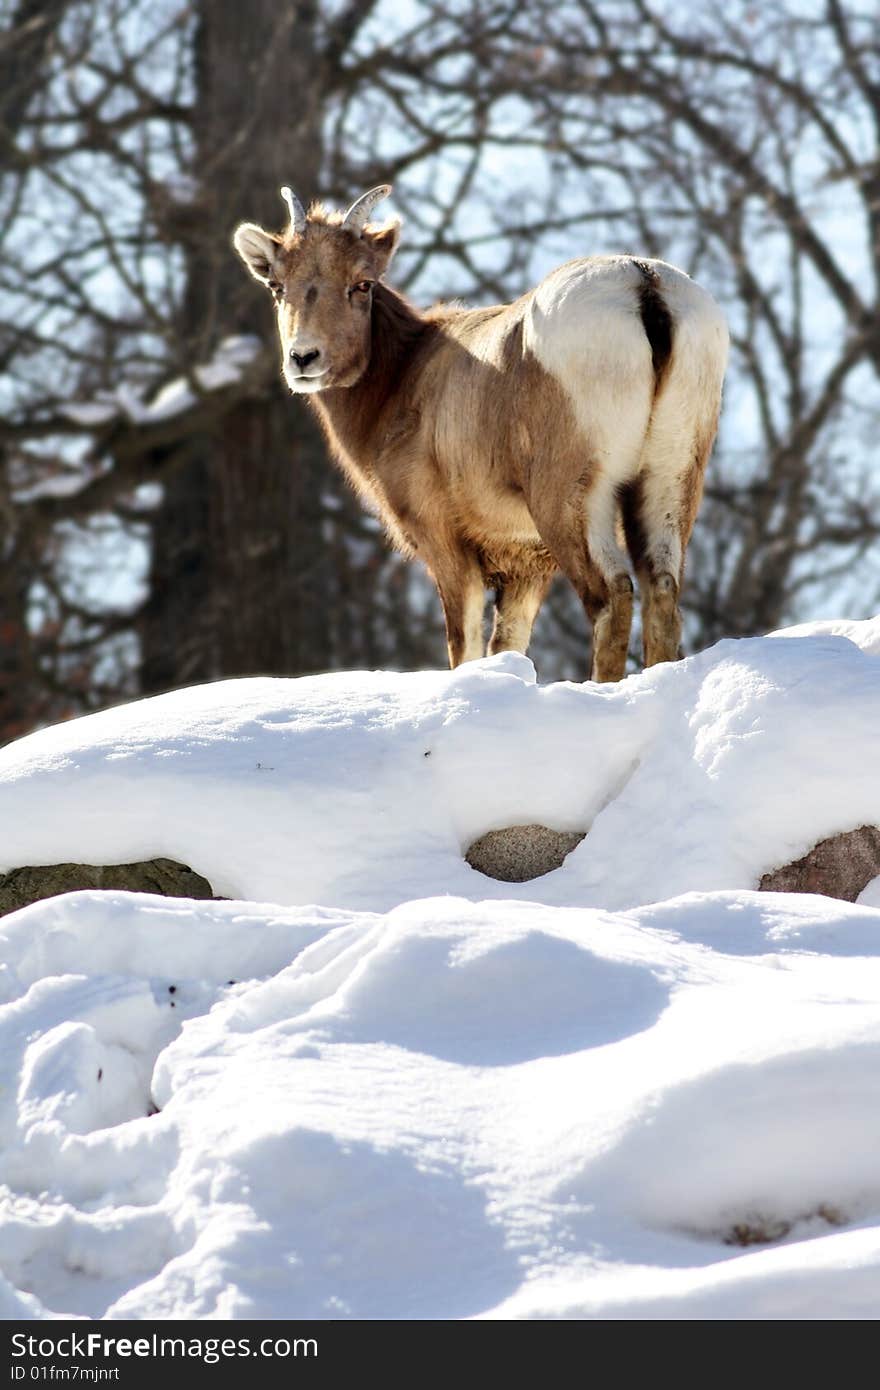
[(356, 217), (297, 214)]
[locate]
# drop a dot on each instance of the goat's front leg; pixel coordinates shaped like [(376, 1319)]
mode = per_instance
[(517, 601), (462, 592)]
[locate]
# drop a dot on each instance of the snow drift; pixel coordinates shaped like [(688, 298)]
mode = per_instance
[(364, 790), (631, 1088)]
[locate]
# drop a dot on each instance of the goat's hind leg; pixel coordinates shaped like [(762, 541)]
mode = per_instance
[(596, 566), (612, 625), (659, 510)]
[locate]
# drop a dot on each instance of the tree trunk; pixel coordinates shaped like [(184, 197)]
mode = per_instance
[(21, 705), (240, 561)]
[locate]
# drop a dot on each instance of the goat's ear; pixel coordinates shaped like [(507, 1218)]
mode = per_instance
[(258, 250), (384, 240)]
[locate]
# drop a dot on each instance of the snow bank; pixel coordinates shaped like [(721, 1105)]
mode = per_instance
[(452, 1110), (364, 790), (630, 1089)]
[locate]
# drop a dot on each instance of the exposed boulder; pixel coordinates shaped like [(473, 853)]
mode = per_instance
[(164, 877), (520, 852), (839, 867)]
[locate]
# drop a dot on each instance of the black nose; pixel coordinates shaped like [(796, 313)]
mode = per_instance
[(302, 359)]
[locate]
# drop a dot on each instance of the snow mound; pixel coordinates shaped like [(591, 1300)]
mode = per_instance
[(654, 1093), (452, 1110), (364, 790)]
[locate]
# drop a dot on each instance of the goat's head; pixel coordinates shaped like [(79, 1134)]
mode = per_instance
[(321, 273)]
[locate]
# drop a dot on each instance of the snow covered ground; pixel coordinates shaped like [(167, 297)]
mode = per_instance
[(377, 1084)]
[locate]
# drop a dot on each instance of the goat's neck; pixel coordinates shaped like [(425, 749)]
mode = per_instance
[(353, 415)]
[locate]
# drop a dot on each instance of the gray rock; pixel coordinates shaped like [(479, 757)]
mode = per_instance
[(520, 852), (839, 867), (164, 877)]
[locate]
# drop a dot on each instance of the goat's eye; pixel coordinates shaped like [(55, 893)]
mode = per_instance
[(362, 287)]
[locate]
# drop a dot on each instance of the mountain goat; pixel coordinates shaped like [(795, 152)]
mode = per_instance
[(501, 444)]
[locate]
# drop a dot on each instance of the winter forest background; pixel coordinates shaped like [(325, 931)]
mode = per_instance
[(167, 512)]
